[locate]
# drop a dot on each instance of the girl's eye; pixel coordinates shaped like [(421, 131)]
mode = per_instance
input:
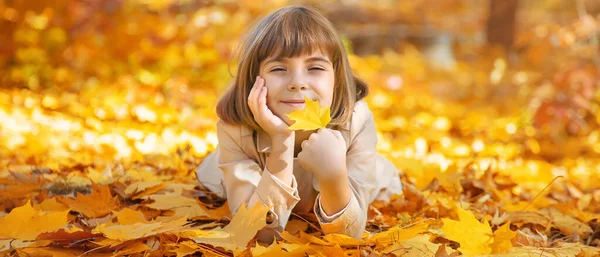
[(278, 69), (316, 68)]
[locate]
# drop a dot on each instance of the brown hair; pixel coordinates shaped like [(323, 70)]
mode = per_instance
[(289, 32)]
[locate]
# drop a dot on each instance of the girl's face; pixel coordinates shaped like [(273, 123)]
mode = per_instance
[(289, 80)]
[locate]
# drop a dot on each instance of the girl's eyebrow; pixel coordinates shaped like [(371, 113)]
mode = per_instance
[(317, 58), (310, 59)]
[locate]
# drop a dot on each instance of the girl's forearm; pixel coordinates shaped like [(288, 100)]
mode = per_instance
[(281, 159), (335, 194)]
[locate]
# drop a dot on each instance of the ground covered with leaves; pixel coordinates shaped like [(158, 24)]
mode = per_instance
[(107, 108)]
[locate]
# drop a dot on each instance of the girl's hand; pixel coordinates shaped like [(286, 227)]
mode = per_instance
[(269, 122), (324, 154)]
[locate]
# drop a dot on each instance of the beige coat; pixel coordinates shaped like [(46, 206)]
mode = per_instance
[(236, 171)]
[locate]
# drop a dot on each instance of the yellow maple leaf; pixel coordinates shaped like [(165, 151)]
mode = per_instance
[(335, 250), (343, 240), (142, 188), (398, 233), (419, 245), (7, 244), (128, 216), (181, 205), (273, 250), (169, 201), (246, 222), (312, 117), (474, 237), (502, 239), (137, 230), (186, 248), (97, 204), (136, 247), (242, 228), (51, 205), (27, 223), (126, 232)]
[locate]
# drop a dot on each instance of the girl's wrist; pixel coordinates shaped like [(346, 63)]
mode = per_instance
[(283, 138), (283, 143), (333, 175)]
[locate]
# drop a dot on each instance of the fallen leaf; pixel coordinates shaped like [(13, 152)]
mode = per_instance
[(243, 227), (27, 223), (245, 223), (413, 247), (294, 226), (273, 250), (49, 251), (126, 232), (551, 217), (142, 188), (169, 201), (51, 204), (7, 244), (127, 216), (137, 230), (335, 250), (398, 234), (502, 239), (474, 237), (181, 206), (343, 240), (136, 247), (97, 204)]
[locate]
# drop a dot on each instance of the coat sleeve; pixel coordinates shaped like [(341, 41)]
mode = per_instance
[(246, 182), (360, 164)]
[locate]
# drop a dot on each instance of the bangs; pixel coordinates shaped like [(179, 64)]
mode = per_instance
[(295, 33)]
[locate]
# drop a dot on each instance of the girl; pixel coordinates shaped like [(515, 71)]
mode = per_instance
[(336, 172)]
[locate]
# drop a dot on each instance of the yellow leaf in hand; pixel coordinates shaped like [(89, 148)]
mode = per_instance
[(312, 117), (474, 237)]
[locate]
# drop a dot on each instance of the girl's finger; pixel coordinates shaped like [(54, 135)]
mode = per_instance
[(253, 96), (262, 100), (250, 95), (253, 89)]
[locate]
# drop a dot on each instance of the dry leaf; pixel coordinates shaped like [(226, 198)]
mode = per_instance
[(137, 230), (27, 223), (502, 239), (398, 233), (474, 237), (97, 204), (413, 247), (128, 216), (243, 226)]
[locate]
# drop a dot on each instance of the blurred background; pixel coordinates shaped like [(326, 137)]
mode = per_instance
[(508, 85)]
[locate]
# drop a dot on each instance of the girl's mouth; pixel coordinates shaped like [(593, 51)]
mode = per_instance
[(295, 104)]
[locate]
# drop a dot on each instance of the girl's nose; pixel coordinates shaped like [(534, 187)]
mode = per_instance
[(297, 86)]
